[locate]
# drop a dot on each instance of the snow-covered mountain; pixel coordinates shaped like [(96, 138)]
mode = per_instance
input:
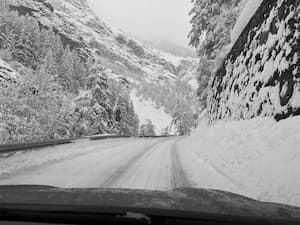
[(122, 56), (171, 48), (80, 27)]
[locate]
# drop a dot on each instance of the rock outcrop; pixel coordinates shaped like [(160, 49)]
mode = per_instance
[(261, 74)]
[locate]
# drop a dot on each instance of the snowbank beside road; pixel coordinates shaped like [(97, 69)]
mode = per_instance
[(260, 157)]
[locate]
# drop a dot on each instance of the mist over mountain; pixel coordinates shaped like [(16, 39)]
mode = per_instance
[(173, 48), (170, 47)]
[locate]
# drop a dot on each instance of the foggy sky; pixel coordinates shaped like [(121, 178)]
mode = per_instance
[(148, 19)]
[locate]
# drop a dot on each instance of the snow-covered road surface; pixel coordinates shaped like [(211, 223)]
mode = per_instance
[(252, 162), (135, 163)]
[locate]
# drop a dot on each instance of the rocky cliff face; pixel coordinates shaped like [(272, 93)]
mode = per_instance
[(261, 74)]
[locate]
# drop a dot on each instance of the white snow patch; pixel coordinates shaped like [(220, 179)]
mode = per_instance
[(6, 72), (194, 83), (244, 18), (138, 216), (175, 60), (147, 110), (260, 158), (296, 98)]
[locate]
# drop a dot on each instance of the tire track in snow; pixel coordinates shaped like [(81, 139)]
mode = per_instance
[(84, 171), (113, 179), (178, 175), (225, 176), (151, 172)]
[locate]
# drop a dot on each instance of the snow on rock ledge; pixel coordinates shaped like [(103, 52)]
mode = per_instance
[(249, 10), (261, 74), (7, 74)]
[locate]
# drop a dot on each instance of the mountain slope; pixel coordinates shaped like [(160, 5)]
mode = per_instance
[(77, 23), (122, 58)]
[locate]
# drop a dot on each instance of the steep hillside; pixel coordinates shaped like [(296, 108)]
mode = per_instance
[(260, 75), (80, 27), (124, 62), (172, 48)]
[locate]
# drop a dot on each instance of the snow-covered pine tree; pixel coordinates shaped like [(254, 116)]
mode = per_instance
[(57, 48), (27, 42), (66, 70), (212, 21), (120, 111), (149, 128), (128, 117), (48, 41), (79, 75), (133, 120), (142, 131), (3, 5), (97, 85), (49, 65), (7, 28)]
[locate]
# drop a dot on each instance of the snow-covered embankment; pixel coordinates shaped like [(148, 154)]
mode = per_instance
[(260, 157)]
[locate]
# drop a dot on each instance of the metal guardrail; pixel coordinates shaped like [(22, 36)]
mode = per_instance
[(155, 136), (26, 146), (6, 148), (101, 137)]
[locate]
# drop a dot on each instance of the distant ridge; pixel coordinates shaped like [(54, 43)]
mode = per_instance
[(170, 47)]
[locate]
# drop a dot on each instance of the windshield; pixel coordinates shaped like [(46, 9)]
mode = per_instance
[(152, 95)]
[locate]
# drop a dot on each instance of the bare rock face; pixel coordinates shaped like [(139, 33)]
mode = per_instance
[(261, 74)]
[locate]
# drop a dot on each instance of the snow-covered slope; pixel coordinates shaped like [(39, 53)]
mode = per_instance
[(147, 110), (259, 157), (119, 53), (82, 28)]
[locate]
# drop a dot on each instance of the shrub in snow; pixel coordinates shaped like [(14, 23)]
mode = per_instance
[(121, 39), (138, 50), (261, 74)]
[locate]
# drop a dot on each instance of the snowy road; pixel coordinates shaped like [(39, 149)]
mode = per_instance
[(134, 163)]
